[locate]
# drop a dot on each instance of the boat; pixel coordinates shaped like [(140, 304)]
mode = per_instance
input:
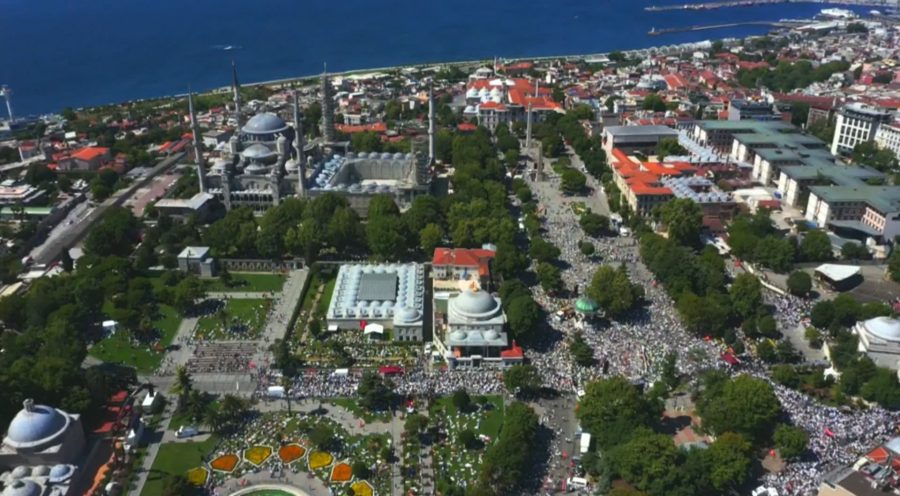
[(875, 12)]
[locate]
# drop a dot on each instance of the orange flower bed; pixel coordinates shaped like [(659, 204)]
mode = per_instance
[(197, 476), (291, 452), (257, 454), (341, 473), (362, 488), (225, 463)]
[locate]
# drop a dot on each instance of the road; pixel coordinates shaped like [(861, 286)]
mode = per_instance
[(76, 215), (72, 234)]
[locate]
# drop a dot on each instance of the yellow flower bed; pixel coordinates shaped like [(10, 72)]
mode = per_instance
[(197, 476), (320, 459), (257, 454), (362, 488)]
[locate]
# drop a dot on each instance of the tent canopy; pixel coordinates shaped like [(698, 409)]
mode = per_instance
[(373, 329), (586, 305), (837, 273)]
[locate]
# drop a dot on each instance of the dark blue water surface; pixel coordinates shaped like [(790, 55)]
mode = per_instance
[(57, 53)]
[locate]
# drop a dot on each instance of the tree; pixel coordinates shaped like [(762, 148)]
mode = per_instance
[(581, 352), (669, 146), (593, 224), (744, 405), (552, 146), (186, 293), (550, 278), (855, 251), (572, 181), (523, 315), (387, 237), (468, 439), (461, 400), (176, 485), (611, 409), (654, 102), (816, 247), (746, 295), (506, 462), (381, 205), (183, 385), (374, 393), (883, 389), (786, 375), (322, 436), (360, 470), (115, 235), (683, 219), (894, 265), (731, 457), (430, 237), (791, 441), (613, 291), (799, 283), (522, 380), (649, 461), (543, 251), (868, 153), (344, 230)]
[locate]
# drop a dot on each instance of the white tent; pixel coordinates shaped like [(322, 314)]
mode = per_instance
[(373, 329), (837, 273)]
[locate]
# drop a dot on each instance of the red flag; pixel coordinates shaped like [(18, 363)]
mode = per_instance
[(362, 324), (828, 432)]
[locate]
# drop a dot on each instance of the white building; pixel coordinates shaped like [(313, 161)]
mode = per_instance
[(472, 329), (857, 123), (888, 137), (879, 338), (391, 295)]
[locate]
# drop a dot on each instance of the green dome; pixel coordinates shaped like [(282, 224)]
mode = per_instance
[(586, 305)]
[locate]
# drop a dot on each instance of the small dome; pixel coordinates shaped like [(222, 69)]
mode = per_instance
[(40, 471), (407, 314), (458, 335), (20, 472), (35, 425), (22, 488), (265, 123), (474, 303), (258, 151), (884, 327), (491, 334), (60, 473)]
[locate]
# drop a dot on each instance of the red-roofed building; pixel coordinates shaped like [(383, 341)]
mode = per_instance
[(462, 263), (86, 159), (377, 127), (501, 101), (640, 183)]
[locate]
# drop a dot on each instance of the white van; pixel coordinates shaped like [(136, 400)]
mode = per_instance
[(186, 431), (576, 483)]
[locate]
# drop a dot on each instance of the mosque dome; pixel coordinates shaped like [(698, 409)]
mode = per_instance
[(458, 335), (884, 328), (20, 472), (407, 314), (291, 165), (40, 471), (22, 488), (474, 303), (60, 473), (491, 335), (35, 425), (265, 123), (258, 151)]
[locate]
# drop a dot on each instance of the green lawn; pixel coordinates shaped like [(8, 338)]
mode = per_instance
[(322, 307), (250, 313), (119, 349), (249, 282), (175, 459), (353, 406)]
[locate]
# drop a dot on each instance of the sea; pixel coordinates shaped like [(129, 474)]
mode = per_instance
[(74, 53)]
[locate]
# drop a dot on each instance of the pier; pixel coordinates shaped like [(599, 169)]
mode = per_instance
[(750, 3), (779, 24)]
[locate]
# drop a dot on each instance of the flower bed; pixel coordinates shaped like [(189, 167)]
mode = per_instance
[(291, 452), (341, 472), (320, 459), (225, 463), (257, 454), (362, 488), (197, 476)]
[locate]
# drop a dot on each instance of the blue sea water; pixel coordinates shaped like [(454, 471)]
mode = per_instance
[(57, 53)]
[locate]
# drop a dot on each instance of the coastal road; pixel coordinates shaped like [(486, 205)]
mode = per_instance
[(49, 251)]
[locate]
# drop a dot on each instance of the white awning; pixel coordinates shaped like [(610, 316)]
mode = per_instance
[(836, 272), (373, 329)]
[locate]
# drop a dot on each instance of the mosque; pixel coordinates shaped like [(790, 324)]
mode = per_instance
[(268, 160), (40, 452), (879, 338)]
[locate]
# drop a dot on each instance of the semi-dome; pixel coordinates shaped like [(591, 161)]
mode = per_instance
[(474, 303), (265, 123), (458, 336), (20, 472), (884, 327), (491, 334), (40, 471), (35, 425), (22, 488), (258, 151), (408, 314)]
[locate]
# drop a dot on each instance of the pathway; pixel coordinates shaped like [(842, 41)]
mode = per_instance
[(156, 438)]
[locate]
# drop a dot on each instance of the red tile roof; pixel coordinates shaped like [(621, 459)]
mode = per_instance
[(90, 153), (463, 257), (378, 127)]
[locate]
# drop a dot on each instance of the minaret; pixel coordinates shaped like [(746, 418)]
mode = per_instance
[(528, 129), (198, 151), (327, 109), (431, 136), (236, 89), (299, 143)]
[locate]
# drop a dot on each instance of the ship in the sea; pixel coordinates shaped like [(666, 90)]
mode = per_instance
[(837, 14)]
